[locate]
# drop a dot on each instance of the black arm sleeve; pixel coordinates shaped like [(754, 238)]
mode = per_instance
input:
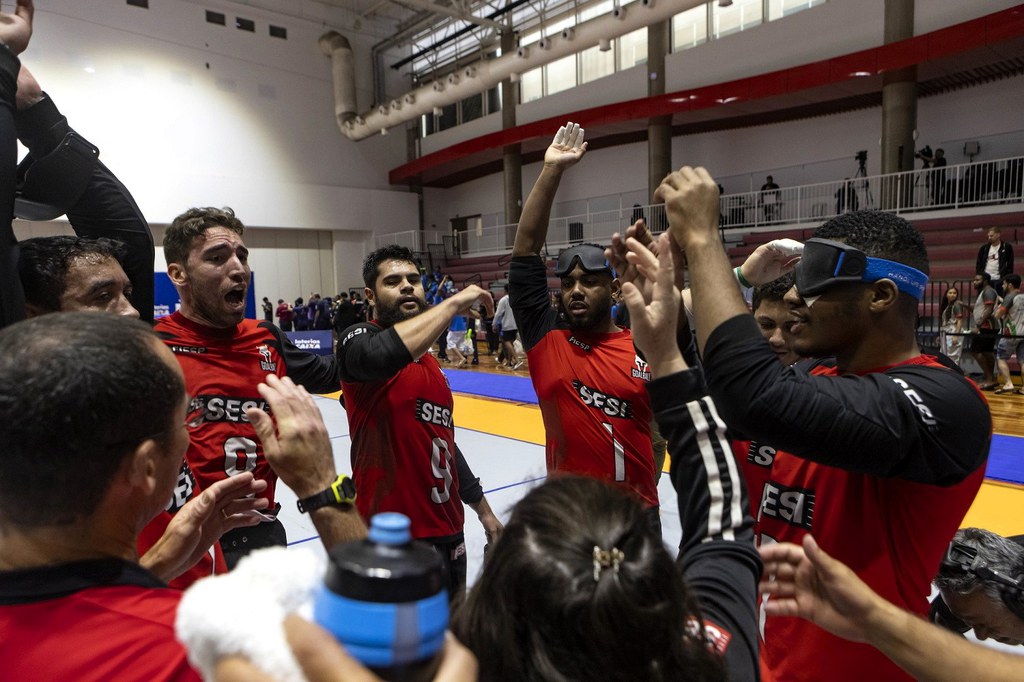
[(919, 423), (315, 373), (528, 296), (717, 554), (12, 298), (105, 209), (470, 489), (366, 352)]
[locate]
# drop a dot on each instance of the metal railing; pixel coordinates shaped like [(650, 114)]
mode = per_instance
[(952, 187)]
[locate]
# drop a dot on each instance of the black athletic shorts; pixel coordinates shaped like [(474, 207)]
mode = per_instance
[(984, 341), (453, 556), (509, 335)]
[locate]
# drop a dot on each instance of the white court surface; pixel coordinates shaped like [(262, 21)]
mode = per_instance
[(507, 469)]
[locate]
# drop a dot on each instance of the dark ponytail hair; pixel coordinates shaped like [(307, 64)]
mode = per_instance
[(537, 613)]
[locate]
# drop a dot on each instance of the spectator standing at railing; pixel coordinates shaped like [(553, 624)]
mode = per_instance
[(769, 198), (938, 162), (846, 197), (995, 259)]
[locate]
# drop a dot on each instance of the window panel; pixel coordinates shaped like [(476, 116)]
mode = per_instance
[(742, 14), (783, 8), (633, 49), (531, 85), (561, 74), (690, 28), (595, 64), (472, 108)]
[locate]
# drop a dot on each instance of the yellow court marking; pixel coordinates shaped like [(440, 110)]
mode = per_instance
[(996, 508), (500, 418)]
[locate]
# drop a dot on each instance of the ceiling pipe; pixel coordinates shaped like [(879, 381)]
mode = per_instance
[(343, 74), (485, 74)]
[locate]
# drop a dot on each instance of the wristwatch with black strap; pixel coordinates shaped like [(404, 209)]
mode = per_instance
[(341, 493)]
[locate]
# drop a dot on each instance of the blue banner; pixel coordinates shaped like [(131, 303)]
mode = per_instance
[(320, 342)]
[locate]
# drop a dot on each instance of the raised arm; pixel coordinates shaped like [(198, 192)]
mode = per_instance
[(566, 149), (419, 333)]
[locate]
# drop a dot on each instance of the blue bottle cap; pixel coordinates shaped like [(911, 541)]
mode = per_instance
[(390, 528)]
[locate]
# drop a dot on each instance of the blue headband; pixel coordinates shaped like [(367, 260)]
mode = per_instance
[(907, 279)]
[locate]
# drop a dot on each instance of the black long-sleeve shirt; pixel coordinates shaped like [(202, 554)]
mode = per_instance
[(717, 554)]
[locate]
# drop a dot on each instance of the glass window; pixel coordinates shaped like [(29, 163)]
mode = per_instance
[(561, 74), (740, 15), (494, 100), (531, 85), (595, 10), (783, 8), (449, 117), (690, 28), (633, 49), (472, 108), (595, 64)]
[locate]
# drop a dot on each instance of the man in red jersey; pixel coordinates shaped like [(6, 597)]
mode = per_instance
[(74, 603), (225, 357), (590, 381), (879, 454), (400, 411)]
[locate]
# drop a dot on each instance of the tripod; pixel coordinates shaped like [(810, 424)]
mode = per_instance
[(865, 186)]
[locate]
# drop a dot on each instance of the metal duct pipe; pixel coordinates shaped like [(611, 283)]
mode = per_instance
[(343, 73), (485, 74)]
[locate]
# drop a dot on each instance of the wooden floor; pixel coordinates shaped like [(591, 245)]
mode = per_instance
[(1007, 413)]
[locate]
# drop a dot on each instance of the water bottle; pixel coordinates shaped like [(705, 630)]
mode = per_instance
[(384, 599)]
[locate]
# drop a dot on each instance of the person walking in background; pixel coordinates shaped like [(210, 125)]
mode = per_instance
[(769, 198), (268, 309), (284, 315)]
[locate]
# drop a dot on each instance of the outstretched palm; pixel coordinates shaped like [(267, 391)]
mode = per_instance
[(567, 148)]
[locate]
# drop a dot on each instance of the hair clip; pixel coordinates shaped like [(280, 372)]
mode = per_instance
[(607, 559)]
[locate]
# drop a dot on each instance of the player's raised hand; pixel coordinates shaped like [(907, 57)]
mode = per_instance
[(616, 255), (299, 448), (653, 321), (691, 202), (468, 296), (16, 27), (567, 148), (770, 261)]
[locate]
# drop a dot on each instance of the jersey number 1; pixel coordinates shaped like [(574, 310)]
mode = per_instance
[(619, 453)]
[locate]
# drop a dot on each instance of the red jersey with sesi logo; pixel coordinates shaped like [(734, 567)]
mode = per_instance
[(596, 410), (222, 368), (890, 531), (403, 448), (212, 562)]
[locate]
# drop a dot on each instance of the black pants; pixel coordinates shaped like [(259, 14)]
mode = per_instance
[(453, 556), (240, 541)]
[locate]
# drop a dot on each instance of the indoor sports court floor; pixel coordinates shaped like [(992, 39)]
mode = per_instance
[(499, 428)]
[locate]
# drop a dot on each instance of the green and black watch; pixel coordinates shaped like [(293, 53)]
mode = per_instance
[(342, 493)]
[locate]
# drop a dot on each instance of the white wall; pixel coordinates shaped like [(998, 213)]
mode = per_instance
[(188, 113)]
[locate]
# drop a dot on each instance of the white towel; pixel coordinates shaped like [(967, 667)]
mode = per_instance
[(242, 612)]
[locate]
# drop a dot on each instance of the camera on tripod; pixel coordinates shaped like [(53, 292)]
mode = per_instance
[(925, 153), (862, 156)]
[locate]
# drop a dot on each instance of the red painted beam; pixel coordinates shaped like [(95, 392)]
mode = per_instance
[(986, 30)]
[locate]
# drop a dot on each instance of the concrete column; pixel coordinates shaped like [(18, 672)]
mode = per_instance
[(899, 108), (659, 128), (511, 155)]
